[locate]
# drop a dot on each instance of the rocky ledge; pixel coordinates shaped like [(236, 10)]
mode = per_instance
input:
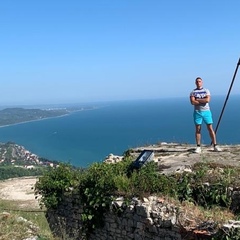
[(177, 157), (173, 157)]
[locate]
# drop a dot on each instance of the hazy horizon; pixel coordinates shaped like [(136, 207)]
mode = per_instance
[(56, 52), (223, 97)]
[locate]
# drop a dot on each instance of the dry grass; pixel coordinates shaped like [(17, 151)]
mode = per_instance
[(192, 215), (18, 223)]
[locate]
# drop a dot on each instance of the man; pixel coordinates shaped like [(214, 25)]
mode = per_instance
[(200, 98)]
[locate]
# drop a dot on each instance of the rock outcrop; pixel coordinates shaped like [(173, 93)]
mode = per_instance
[(173, 157)]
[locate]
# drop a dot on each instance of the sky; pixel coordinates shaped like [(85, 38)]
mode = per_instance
[(55, 51)]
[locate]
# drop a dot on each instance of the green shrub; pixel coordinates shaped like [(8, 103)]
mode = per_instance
[(231, 234), (147, 180), (99, 184), (7, 172), (54, 183), (207, 185), (97, 188)]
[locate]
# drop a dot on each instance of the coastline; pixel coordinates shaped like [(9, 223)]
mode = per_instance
[(86, 137), (45, 118)]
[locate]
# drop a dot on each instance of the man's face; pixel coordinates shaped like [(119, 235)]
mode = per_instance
[(199, 83)]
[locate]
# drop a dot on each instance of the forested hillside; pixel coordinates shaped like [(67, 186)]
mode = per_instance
[(16, 161), (10, 116)]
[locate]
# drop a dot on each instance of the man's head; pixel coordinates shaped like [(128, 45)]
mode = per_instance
[(199, 82)]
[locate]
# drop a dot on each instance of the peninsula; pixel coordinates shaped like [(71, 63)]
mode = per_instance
[(9, 116)]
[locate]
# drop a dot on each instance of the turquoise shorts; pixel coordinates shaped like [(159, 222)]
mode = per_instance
[(202, 116)]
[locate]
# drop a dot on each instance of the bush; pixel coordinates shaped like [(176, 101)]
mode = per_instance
[(208, 184), (99, 184), (7, 172), (52, 185)]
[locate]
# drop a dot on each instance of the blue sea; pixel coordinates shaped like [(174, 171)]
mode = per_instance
[(88, 136)]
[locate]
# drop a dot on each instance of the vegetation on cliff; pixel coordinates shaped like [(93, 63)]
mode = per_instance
[(16, 161), (206, 186)]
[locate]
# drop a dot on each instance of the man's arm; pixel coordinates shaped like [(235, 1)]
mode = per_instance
[(196, 101), (204, 100)]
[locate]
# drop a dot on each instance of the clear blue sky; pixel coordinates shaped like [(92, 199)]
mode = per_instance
[(55, 51)]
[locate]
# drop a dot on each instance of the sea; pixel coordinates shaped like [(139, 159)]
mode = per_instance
[(88, 136)]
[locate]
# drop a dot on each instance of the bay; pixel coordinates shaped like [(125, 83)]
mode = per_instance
[(88, 136)]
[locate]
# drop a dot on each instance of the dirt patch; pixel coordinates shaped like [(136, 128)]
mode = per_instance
[(20, 190)]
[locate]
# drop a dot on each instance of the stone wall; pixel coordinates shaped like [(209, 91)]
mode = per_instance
[(65, 221), (152, 218)]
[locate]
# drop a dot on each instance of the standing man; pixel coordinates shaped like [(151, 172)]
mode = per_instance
[(200, 98)]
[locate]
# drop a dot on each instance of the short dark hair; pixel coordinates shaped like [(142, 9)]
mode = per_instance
[(198, 78)]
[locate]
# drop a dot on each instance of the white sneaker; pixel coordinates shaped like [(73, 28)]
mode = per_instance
[(198, 150), (217, 149)]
